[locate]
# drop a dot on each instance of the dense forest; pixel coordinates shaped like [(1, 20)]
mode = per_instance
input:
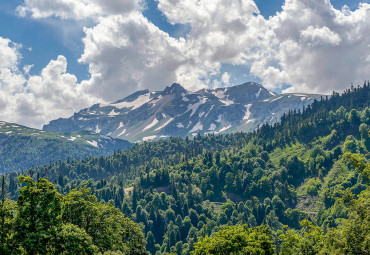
[(287, 188)]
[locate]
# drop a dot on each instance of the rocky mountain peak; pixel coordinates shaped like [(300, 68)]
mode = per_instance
[(175, 89)]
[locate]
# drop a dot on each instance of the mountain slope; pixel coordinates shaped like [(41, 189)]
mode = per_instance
[(148, 115), (23, 147)]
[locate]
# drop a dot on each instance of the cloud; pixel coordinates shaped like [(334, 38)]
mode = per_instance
[(127, 52), (319, 36), (76, 9), (9, 54), (221, 32), (315, 48), (309, 45), (226, 78), (34, 100)]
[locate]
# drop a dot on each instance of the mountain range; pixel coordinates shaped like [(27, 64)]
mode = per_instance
[(152, 115), (23, 147)]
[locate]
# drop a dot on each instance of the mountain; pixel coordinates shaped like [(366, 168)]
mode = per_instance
[(287, 176), (23, 147), (151, 115)]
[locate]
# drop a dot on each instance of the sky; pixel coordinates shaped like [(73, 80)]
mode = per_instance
[(59, 56)]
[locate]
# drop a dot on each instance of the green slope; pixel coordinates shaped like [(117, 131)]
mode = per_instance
[(22, 147)]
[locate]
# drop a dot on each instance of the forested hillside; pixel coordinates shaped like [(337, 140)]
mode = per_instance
[(287, 176), (23, 147)]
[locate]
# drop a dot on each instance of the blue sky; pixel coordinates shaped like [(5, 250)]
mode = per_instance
[(47, 37)]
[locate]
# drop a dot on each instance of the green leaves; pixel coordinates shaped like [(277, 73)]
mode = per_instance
[(360, 163), (46, 222), (74, 240), (237, 240), (351, 236), (38, 217)]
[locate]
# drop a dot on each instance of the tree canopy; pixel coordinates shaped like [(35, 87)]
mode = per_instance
[(42, 221)]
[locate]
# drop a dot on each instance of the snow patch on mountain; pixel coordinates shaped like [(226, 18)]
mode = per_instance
[(154, 122), (275, 99), (120, 125), (220, 93), (139, 101), (84, 119), (148, 138), (258, 93), (194, 107), (93, 143), (227, 102), (209, 111), (225, 128), (247, 112), (197, 127), (153, 102), (165, 124), (212, 127), (122, 133), (180, 125), (113, 113), (219, 118)]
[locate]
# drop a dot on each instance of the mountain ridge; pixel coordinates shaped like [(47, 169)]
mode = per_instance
[(150, 115)]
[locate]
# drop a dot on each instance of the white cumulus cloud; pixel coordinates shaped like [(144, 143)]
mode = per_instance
[(34, 100), (309, 46), (320, 36), (315, 48), (127, 53)]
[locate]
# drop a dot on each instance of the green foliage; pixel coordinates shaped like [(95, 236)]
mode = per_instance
[(237, 240), (306, 241), (45, 222), (7, 213), (351, 236), (361, 165), (37, 220), (74, 240)]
